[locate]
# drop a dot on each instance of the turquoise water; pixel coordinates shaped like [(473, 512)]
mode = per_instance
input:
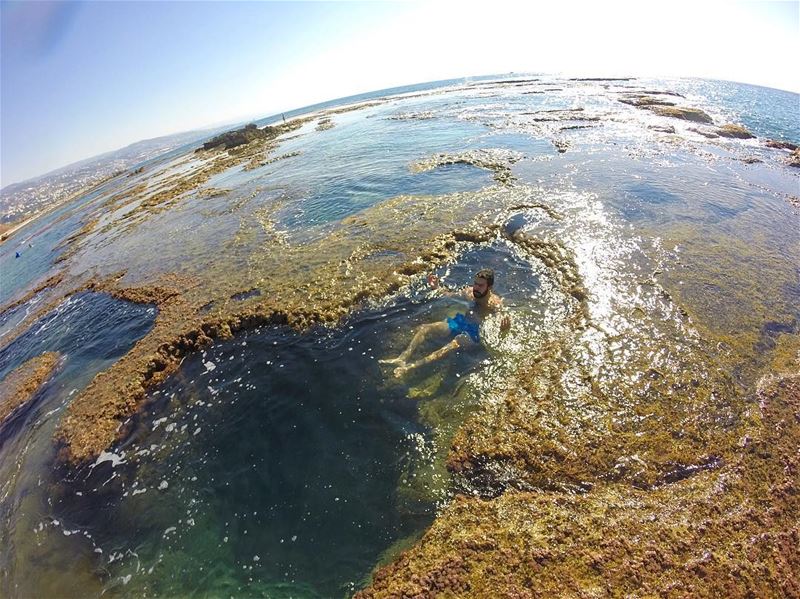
[(277, 464)]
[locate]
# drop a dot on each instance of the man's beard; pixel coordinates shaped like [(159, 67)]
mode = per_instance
[(478, 294)]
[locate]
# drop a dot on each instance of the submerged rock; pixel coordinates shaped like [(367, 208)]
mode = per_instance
[(662, 129), (409, 116), (325, 123), (705, 133), (322, 281), (498, 161)]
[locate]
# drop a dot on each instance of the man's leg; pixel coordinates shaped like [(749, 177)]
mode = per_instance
[(422, 333), (436, 355)]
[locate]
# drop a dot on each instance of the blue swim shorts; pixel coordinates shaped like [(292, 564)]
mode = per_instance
[(461, 324)]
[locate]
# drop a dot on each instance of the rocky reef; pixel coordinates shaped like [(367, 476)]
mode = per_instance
[(730, 530), (734, 131), (240, 137), (22, 383), (322, 282), (668, 108), (688, 114), (497, 161), (780, 144), (325, 123)]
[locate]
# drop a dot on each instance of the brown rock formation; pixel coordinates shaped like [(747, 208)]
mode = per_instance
[(735, 131), (666, 108), (331, 276), (22, 383), (688, 114), (780, 145), (239, 137), (731, 532), (794, 158), (644, 101)]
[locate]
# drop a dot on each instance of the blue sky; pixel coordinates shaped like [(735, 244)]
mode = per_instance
[(79, 79)]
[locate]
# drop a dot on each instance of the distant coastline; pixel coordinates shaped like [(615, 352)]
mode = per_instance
[(8, 229)]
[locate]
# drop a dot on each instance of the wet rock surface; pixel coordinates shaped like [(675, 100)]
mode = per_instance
[(707, 133), (497, 161), (664, 107), (325, 123), (734, 131), (21, 384), (781, 145), (688, 114), (705, 535), (239, 137)]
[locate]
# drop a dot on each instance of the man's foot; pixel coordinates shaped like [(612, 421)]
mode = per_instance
[(401, 370), (397, 360)]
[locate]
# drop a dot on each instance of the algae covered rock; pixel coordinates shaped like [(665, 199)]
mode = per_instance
[(22, 383), (702, 536), (645, 101), (687, 114), (794, 158), (735, 131), (781, 144), (664, 107)]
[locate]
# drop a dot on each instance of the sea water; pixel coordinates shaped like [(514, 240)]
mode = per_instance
[(279, 463)]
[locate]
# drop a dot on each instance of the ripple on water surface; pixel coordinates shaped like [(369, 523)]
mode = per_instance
[(90, 331), (267, 466), (272, 464)]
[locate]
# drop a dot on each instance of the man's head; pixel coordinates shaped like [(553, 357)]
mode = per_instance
[(483, 283)]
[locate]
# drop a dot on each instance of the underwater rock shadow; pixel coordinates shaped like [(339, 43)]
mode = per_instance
[(303, 409)]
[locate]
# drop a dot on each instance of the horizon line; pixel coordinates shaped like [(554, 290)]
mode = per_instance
[(251, 118)]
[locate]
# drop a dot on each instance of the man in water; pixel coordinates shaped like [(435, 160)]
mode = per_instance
[(464, 328)]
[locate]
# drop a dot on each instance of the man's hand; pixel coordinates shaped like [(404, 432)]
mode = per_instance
[(433, 281), (505, 323)]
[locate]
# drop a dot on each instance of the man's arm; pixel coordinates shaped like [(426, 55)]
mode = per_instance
[(505, 317), (433, 283)]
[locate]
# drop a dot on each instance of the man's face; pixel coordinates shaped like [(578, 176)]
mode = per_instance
[(480, 287)]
